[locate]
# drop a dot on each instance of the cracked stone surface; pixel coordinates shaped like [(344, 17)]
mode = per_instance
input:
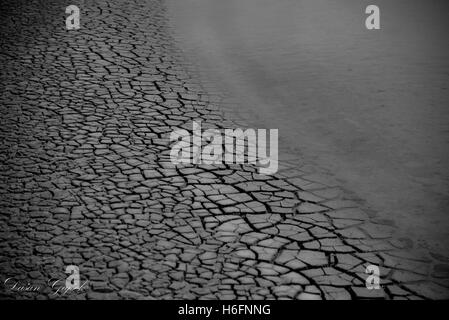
[(86, 179)]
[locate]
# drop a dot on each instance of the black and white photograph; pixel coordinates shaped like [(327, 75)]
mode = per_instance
[(224, 150)]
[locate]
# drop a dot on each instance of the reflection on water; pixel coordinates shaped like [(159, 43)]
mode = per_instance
[(369, 105)]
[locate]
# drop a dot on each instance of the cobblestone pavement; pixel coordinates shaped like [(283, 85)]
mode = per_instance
[(86, 179)]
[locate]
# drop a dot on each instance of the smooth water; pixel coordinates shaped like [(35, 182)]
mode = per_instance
[(372, 106)]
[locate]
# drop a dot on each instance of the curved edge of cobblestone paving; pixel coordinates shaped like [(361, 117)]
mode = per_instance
[(86, 179)]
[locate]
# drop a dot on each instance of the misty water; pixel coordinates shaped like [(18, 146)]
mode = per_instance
[(371, 106)]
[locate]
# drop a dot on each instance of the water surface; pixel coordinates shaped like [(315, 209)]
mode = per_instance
[(371, 106)]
